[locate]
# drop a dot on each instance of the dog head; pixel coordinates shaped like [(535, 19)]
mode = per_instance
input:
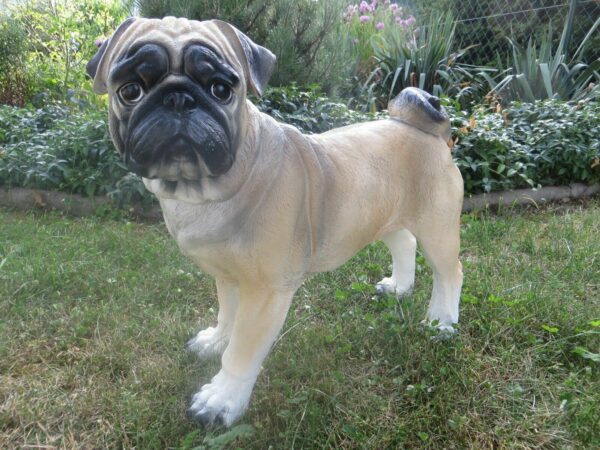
[(177, 94)]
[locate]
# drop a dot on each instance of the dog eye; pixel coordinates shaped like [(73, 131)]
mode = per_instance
[(131, 93), (221, 92)]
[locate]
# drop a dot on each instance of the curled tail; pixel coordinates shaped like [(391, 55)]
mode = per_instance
[(421, 110)]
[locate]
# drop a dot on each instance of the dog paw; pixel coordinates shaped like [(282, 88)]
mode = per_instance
[(389, 286), (208, 342), (222, 401), (441, 331)]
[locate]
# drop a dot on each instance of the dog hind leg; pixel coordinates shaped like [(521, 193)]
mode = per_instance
[(213, 340), (441, 245), (403, 246)]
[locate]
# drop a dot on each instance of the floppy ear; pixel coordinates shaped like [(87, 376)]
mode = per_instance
[(94, 68), (259, 62)]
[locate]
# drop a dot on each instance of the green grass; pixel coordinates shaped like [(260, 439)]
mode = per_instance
[(94, 315)]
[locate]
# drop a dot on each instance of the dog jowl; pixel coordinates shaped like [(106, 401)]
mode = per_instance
[(260, 206)]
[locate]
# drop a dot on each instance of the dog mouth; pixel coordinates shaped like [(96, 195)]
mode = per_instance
[(180, 160), (173, 149)]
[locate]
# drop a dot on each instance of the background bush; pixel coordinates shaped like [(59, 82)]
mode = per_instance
[(61, 147), (528, 145), (54, 40), (423, 57), (58, 148), (14, 82), (309, 110), (304, 34), (488, 24), (547, 70)]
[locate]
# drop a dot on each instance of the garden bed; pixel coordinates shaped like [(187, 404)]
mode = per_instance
[(548, 143)]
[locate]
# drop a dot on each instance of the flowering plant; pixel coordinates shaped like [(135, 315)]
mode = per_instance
[(369, 22)]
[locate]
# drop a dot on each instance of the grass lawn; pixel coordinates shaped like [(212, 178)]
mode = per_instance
[(94, 315)]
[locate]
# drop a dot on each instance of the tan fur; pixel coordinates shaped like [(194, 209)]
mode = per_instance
[(293, 205)]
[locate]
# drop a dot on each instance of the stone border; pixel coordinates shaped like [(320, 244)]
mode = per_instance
[(76, 205), (530, 196), (71, 204)]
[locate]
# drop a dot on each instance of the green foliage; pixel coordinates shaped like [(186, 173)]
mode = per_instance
[(62, 149), (426, 59), (307, 38), (367, 22), (527, 145), (520, 20), (545, 70), (304, 34), (13, 78), (12, 42), (309, 110), (248, 16), (61, 38)]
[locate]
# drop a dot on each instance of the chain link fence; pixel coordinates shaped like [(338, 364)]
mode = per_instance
[(488, 23)]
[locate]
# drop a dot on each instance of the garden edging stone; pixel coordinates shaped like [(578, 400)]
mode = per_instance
[(77, 205), (530, 196), (72, 204)]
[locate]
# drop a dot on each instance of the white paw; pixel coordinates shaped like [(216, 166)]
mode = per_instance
[(221, 402), (209, 342), (389, 286), (444, 330)]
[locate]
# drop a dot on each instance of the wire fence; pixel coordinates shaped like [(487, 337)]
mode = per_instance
[(488, 23)]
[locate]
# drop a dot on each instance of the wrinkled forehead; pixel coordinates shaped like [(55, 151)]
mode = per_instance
[(174, 35)]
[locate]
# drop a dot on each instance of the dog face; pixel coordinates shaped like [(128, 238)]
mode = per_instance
[(177, 93)]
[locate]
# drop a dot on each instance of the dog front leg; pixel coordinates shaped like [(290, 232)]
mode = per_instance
[(258, 320), (213, 340)]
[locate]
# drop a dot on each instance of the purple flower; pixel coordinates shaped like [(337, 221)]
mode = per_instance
[(364, 19), (380, 26), (98, 42), (410, 21), (351, 11), (393, 7), (364, 7)]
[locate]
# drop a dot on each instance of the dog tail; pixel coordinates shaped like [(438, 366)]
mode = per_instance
[(421, 110)]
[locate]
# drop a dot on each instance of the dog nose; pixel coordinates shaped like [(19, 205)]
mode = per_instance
[(179, 101)]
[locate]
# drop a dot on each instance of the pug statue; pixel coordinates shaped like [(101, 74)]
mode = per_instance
[(260, 206)]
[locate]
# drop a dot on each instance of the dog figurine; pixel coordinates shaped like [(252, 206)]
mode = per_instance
[(260, 206)]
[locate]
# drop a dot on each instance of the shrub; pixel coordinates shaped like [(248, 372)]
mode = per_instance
[(309, 110), (528, 145), (543, 71), (61, 39), (62, 149), (304, 34), (14, 89), (367, 22), (422, 57), (488, 156), (66, 149)]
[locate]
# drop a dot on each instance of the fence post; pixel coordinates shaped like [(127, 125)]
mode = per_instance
[(566, 39)]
